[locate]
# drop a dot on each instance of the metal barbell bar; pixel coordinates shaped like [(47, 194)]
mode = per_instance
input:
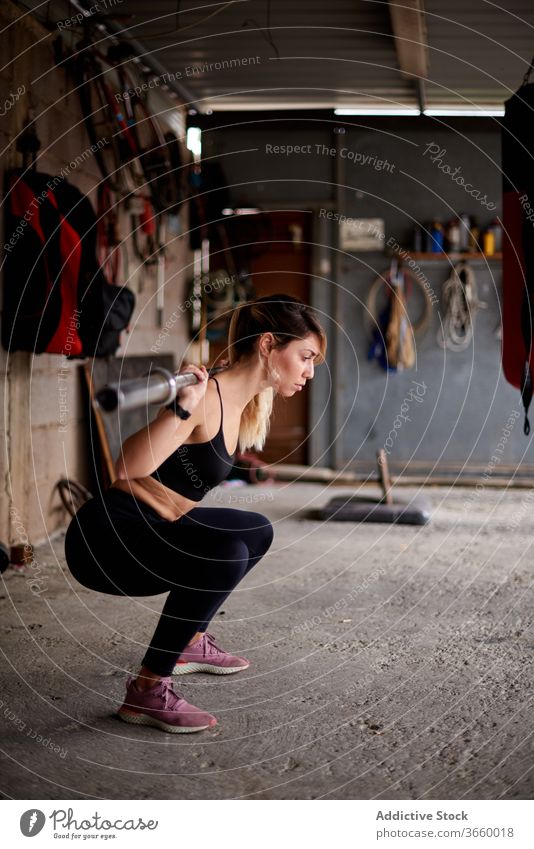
[(158, 386)]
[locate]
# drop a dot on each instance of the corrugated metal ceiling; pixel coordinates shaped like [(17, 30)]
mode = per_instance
[(328, 55), (336, 54), (478, 50)]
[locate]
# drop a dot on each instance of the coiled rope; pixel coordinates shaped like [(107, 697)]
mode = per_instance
[(460, 299)]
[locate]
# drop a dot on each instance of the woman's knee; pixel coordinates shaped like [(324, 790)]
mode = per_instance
[(263, 533), (232, 551), (228, 565)]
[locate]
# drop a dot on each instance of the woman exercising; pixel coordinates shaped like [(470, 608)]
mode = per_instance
[(145, 535)]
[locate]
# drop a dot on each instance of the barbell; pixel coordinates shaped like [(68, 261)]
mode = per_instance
[(158, 386)]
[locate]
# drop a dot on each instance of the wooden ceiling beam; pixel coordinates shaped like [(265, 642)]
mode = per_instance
[(409, 32)]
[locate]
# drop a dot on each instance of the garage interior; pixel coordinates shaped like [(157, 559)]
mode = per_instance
[(335, 153)]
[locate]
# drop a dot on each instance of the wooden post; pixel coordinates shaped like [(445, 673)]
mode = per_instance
[(383, 477)]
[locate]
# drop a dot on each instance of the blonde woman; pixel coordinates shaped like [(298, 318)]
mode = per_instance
[(146, 535)]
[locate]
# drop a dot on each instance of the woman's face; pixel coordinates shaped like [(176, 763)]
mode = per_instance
[(292, 366)]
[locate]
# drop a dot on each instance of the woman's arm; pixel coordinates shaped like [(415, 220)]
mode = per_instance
[(147, 449)]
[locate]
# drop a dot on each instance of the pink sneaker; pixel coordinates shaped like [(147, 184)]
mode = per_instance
[(206, 656), (161, 707)]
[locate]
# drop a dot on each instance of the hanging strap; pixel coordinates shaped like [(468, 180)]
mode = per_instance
[(526, 395), (528, 73), (526, 378)]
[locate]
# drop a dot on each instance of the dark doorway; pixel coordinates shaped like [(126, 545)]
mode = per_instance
[(273, 247), (285, 267)]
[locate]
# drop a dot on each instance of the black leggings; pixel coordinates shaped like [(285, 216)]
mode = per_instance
[(118, 544)]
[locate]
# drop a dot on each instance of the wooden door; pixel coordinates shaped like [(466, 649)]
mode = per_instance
[(285, 267), (274, 248)]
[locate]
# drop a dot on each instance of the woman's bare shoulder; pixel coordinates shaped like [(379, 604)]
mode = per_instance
[(204, 411)]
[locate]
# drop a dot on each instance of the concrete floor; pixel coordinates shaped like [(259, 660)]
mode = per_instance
[(388, 662)]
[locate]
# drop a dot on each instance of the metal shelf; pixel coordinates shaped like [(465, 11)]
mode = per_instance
[(445, 257)]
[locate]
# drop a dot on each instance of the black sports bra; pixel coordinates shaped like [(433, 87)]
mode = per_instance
[(192, 470)]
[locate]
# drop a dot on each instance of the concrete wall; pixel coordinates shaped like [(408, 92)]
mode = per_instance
[(40, 444), (386, 171)]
